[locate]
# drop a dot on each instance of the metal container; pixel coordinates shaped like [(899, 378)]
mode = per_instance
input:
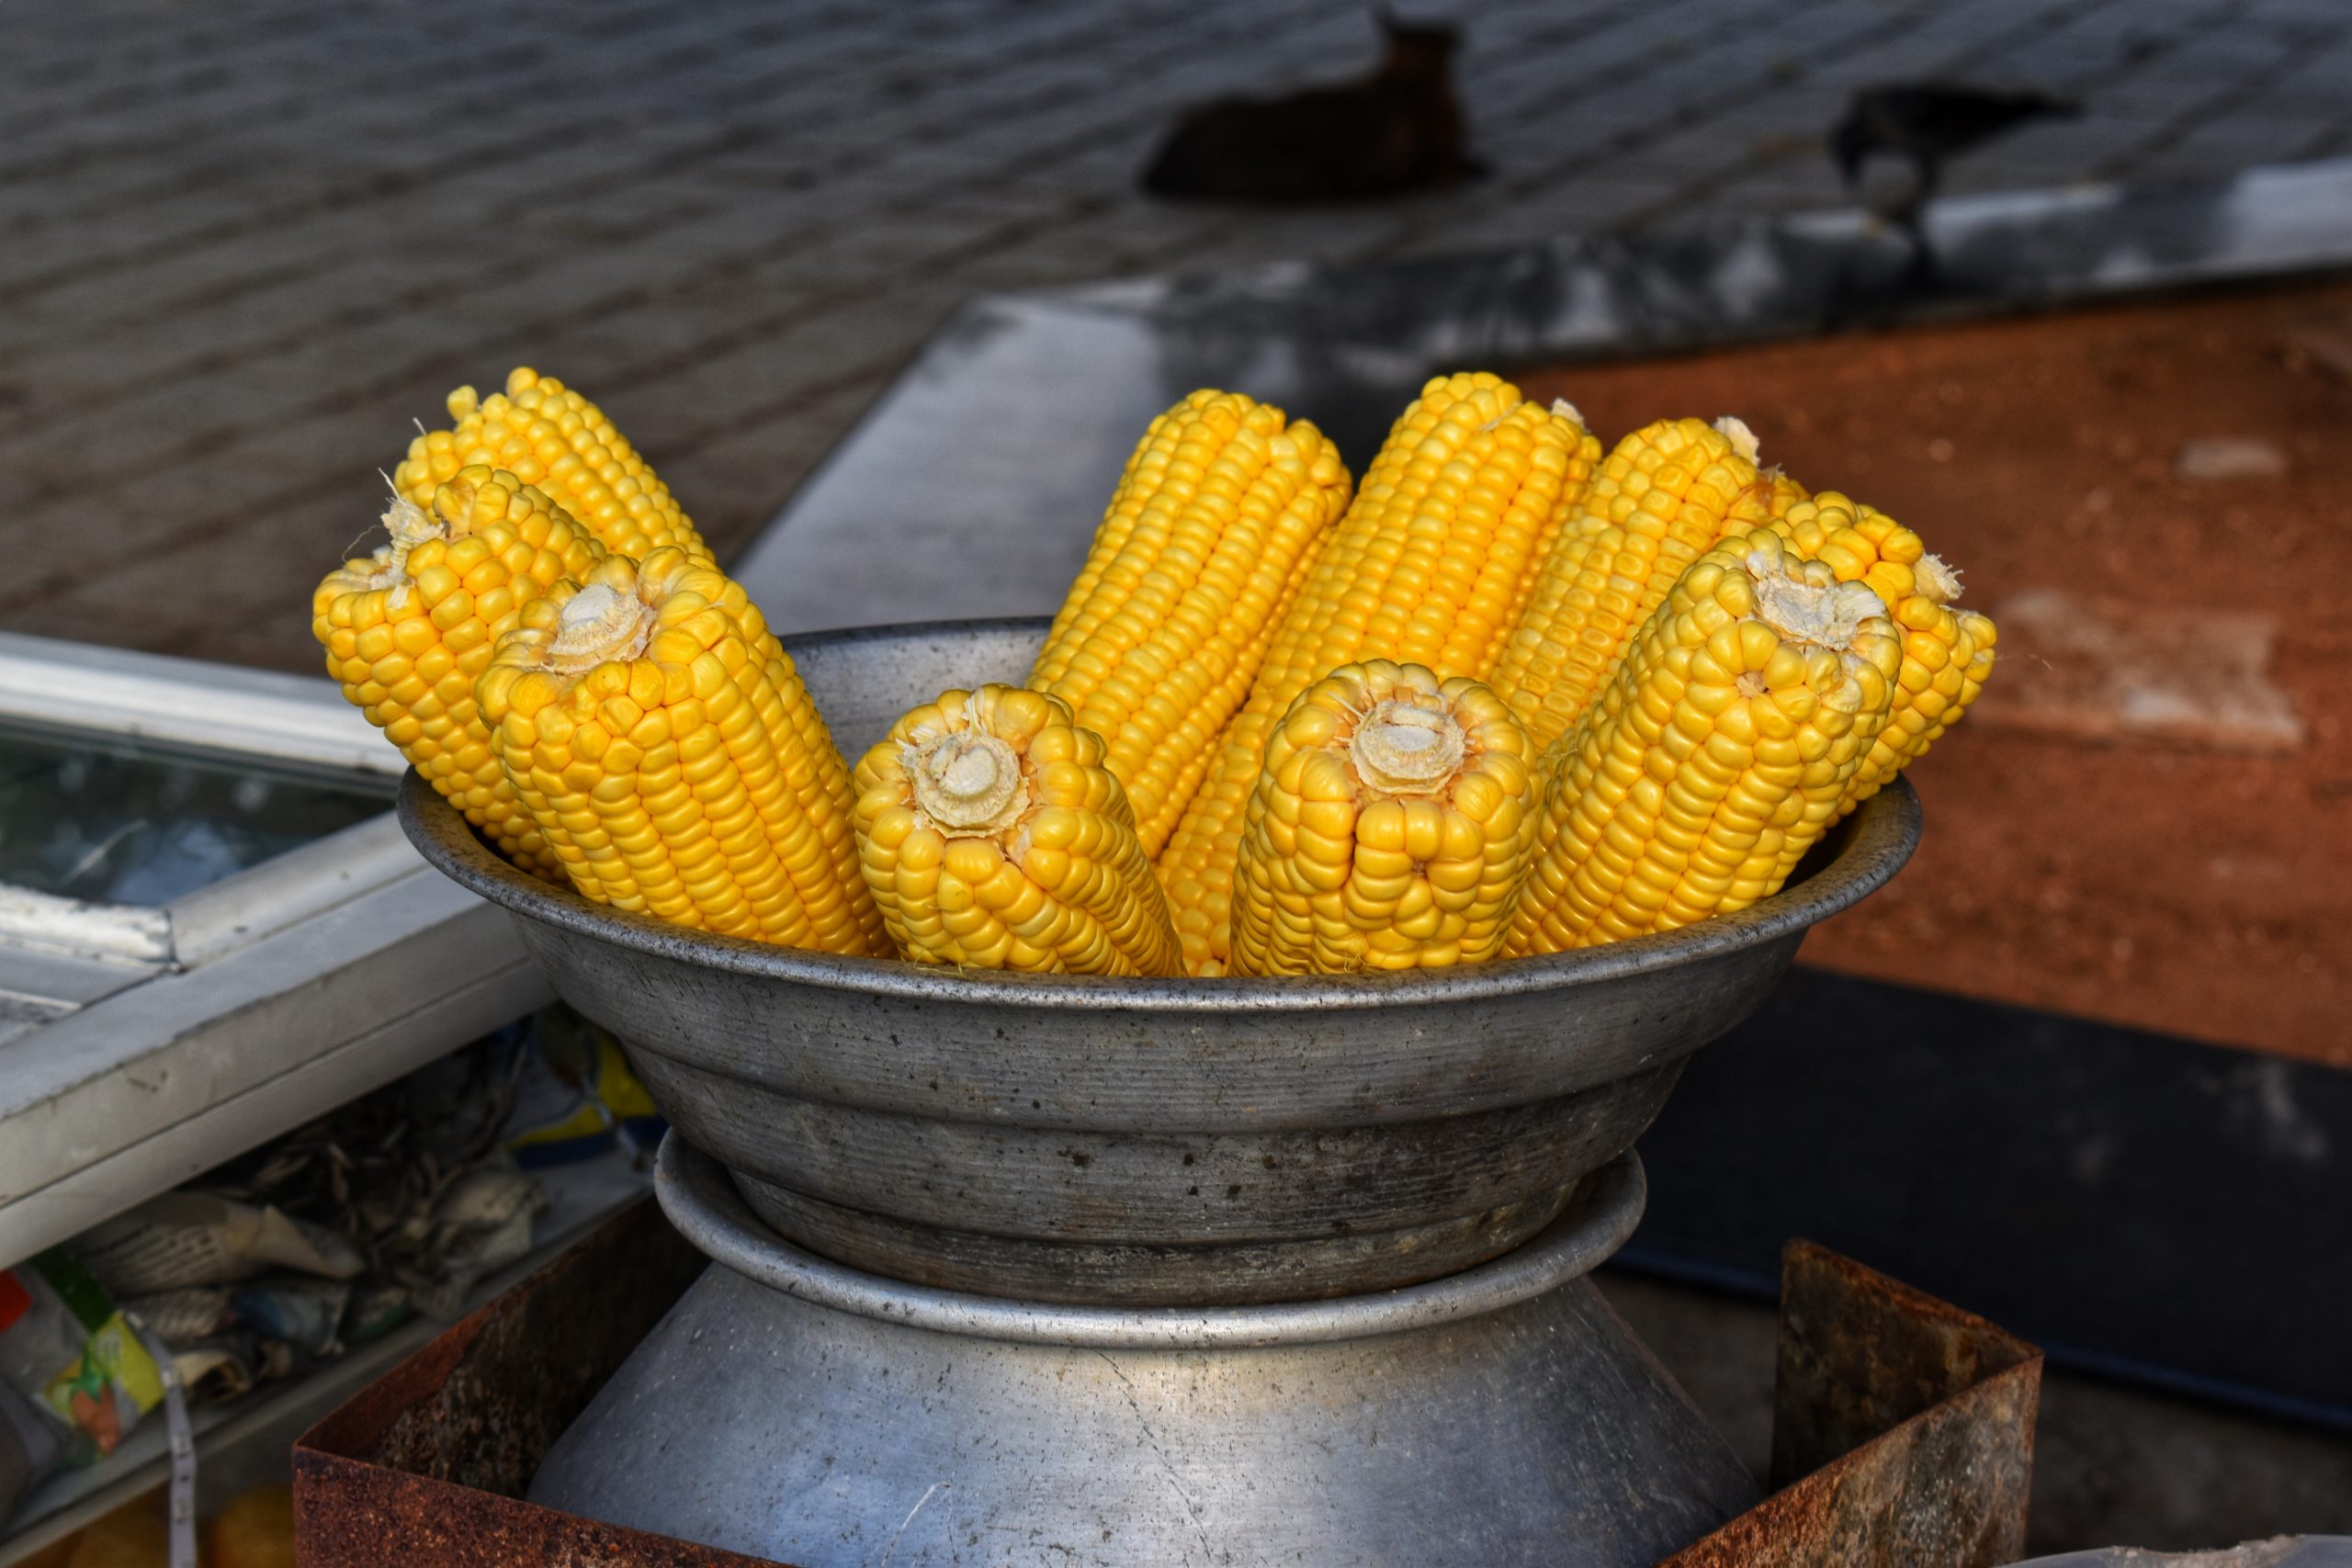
[(793, 1409), (1148, 1142)]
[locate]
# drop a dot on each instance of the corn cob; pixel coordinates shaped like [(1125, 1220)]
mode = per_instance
[(550, 435), (814, 768), (1719, 752), (409, 629), (1390, 827), (1946, 652), (1427, 567), (1664, 497), (1203, 546), (662, 753), (992, 835)]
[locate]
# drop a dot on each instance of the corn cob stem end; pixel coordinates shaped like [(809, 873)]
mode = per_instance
[(1937, 581), (1828, 614), (1406, 748), (599, 625), (410, 526), (967, 783)]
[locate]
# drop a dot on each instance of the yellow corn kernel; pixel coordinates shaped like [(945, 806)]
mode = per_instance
[(658, 749), (1977, 635), (552, 436), (407, 630), (992, 835), (1390, 827), (1763, 503), (1716, 756), (1200, 552), (1662, 498), (1427, 567)]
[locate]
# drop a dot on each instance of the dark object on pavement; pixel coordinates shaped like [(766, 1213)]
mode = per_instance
[(1926, 123), (1395, 130)]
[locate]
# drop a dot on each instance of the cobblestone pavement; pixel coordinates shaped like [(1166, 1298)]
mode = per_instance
[(241, 243)]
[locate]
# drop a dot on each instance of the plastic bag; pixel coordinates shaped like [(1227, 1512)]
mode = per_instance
[(66, 1350), (575, 1096)]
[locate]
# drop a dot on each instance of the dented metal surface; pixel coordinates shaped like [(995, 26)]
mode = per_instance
[(1902, 1430)]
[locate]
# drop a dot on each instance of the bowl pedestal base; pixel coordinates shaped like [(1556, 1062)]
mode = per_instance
[(794, 1409)]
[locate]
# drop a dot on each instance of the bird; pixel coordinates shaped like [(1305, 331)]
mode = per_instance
[(1398, 128), (1926, 123)]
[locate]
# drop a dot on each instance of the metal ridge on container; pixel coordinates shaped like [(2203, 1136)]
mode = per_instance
[(700, 1200)]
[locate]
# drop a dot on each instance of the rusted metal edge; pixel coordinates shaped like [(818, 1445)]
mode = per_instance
[(351, 1513), (428, 1463), (1860, 1354), (1948, 1487), (1909, 1422)]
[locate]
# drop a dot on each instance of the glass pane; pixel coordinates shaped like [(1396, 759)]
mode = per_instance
[(106, 822)]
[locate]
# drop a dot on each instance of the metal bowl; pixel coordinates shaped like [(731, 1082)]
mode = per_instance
[(1148, 1142)]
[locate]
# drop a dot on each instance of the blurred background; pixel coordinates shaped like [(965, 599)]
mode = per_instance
[(242, 244)]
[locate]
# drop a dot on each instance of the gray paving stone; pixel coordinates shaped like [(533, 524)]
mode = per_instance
[(1902, 57), (1592, 205), (2327, 142), (240, 244)]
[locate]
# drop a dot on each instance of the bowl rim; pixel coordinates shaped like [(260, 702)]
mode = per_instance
[(1870, 846)]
